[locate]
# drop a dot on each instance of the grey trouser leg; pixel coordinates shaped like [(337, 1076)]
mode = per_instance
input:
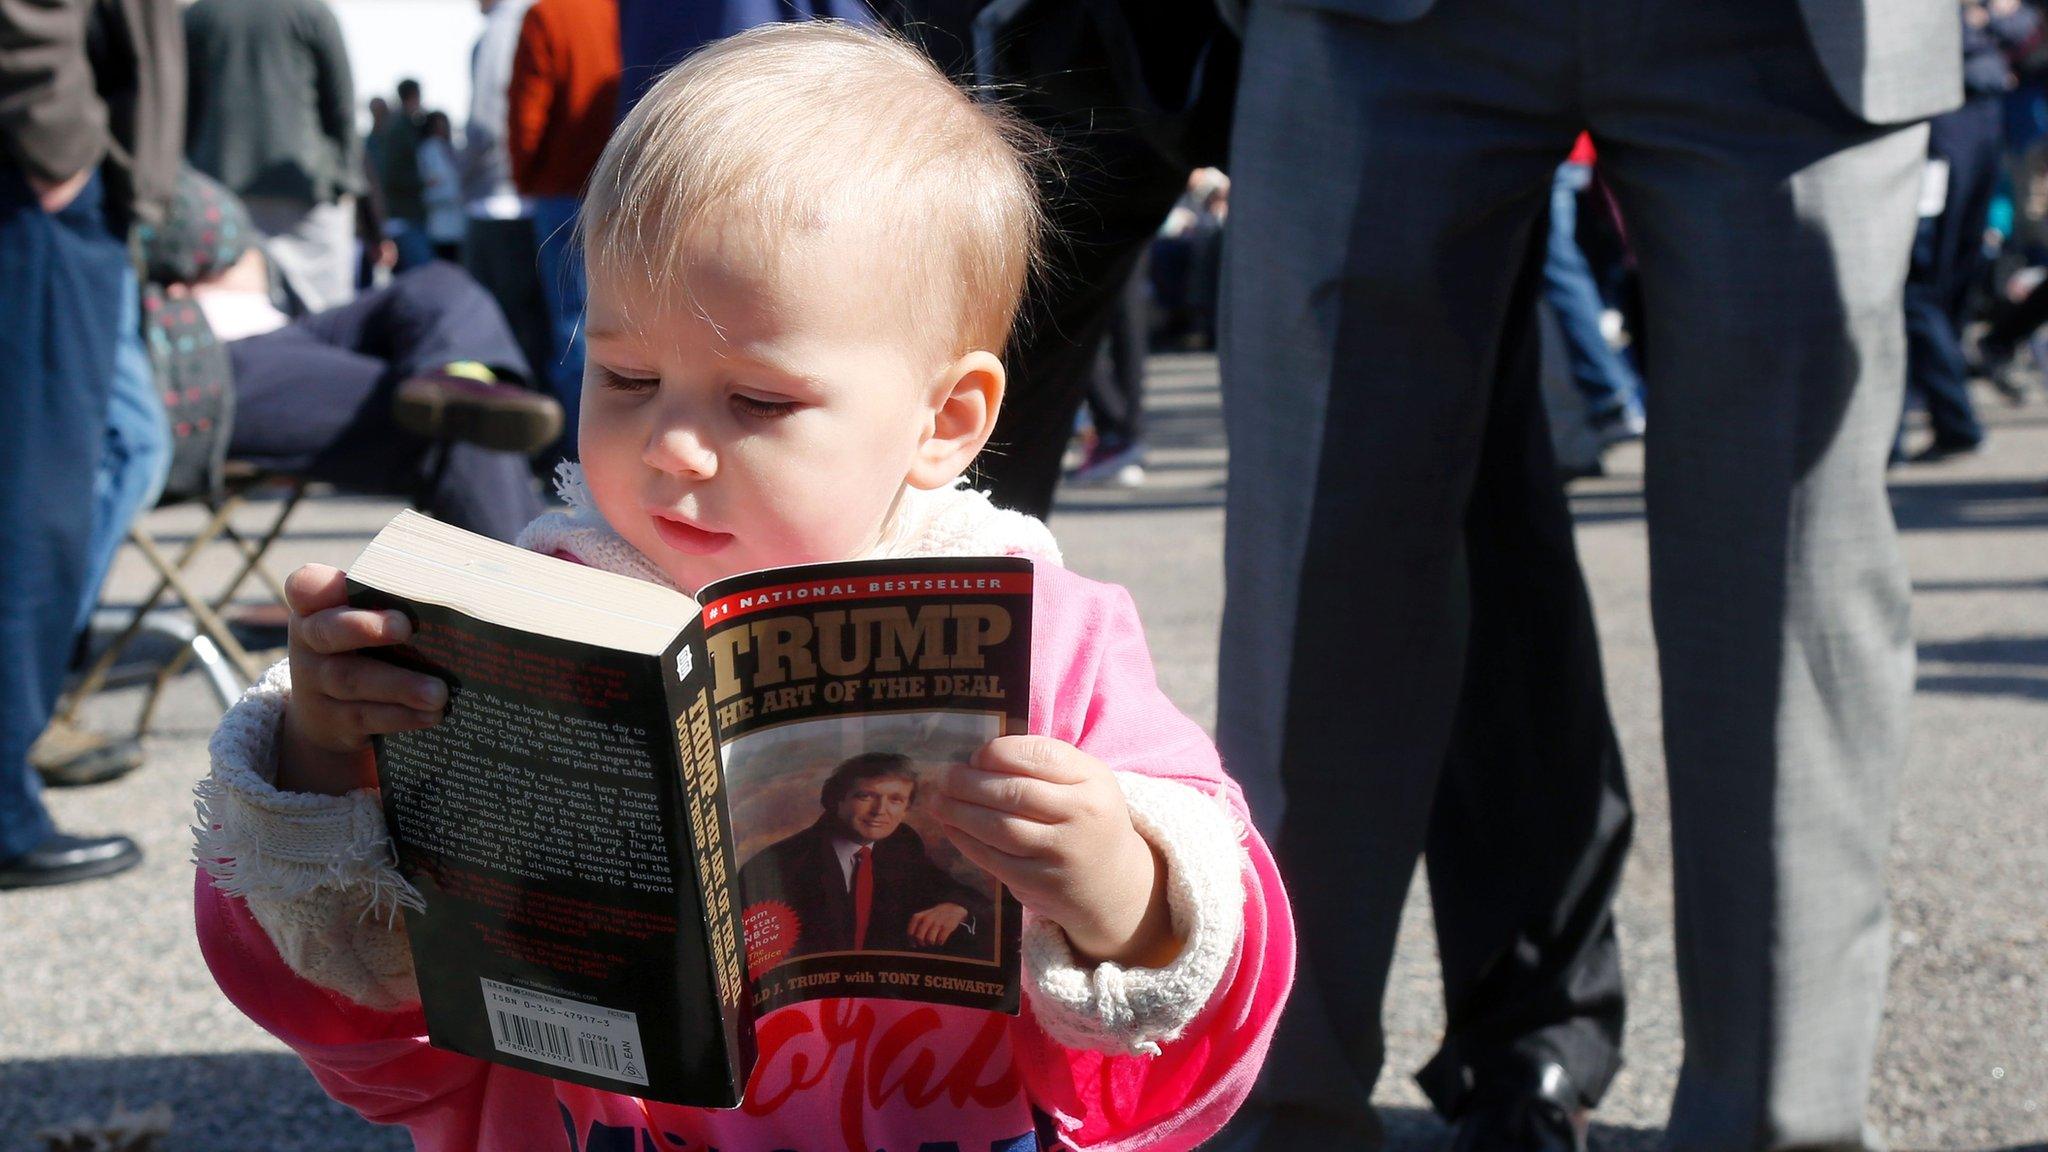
[(1386, 180), (1773, 257), (1531, 822), (1387, 185)]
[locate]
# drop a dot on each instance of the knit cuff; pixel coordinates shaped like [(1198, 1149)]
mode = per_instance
[(272, 848), (1132, 1011)]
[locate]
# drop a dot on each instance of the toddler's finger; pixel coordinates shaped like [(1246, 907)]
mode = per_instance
[(370, 680), (335, 630), (1007, 833), (313, 587), (993, 861), (1023, 877), (384, 719), (1041, 757), (1023, 795)]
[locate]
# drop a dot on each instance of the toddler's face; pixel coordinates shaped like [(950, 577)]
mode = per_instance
[(770, 418)]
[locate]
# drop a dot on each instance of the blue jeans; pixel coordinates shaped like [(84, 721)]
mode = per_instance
[(1948, 256), (136, 455), (1935, 370), (1604, 378), (60, 292), (561, 282)]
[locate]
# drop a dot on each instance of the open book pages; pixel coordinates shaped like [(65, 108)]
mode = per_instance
[(418, 557)]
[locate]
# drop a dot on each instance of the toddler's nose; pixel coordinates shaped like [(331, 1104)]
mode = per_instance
[(679, 449)]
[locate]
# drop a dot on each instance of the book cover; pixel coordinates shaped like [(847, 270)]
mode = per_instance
[(841, 694), (642, 823)]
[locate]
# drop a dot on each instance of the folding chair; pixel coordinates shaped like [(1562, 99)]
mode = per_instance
[(196, 377), (196, 624), (193, 371)]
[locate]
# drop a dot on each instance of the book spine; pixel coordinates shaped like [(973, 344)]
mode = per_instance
[(703, 814)]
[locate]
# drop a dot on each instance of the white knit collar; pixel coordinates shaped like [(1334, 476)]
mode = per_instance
[(952, 521)]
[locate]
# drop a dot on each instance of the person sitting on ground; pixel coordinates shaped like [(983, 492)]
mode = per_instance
[(805, 247)]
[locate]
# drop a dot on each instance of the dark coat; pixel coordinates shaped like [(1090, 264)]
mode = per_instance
[(83, 81), (1890, 61), (272, 110), (802, 872)]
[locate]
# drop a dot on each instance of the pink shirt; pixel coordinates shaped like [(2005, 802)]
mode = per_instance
[(855, 1075)]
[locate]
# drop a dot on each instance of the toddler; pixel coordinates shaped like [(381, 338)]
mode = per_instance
[(805, 250)]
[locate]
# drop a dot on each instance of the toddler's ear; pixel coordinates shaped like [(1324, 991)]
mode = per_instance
[(964, 402)]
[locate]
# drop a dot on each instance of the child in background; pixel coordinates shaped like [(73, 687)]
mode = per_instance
[(805, 249)]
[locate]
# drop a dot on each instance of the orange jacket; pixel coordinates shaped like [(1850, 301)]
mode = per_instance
[(564, 94)]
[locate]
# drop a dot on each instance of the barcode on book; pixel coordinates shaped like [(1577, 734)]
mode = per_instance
[(565, 1033)]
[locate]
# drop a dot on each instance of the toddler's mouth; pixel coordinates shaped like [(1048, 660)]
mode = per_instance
[(684, 536)]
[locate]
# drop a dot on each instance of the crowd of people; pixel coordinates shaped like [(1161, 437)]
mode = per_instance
[(1406, 632)]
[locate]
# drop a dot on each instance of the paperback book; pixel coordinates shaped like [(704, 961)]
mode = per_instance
[(646, 819)]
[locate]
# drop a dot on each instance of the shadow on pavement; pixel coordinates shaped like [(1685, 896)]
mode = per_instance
[(2025, 651), (1929, 507), (1918, 506), (1987, 666), (1419, 1130), (1137, 500), (1993, 584), (1964, 684), (219, 1101)]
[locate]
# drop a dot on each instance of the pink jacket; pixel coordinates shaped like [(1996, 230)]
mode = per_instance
[(856, 1075)]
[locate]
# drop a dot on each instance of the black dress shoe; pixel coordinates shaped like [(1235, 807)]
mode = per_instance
[(1942, 450), (61, 859), (1539, 1112), (1589, 470), (1994, 362)]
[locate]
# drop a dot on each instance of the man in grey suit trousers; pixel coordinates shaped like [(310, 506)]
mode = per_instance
[(1391, 160)]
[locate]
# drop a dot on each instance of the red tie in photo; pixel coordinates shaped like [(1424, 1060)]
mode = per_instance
[(863, 894)]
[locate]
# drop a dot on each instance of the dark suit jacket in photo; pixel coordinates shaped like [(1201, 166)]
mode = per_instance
[(803, 873)]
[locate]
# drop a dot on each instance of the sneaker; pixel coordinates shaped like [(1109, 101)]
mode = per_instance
[(1121, 467), (454, 404), (1614, 328), (1618, 427), (67, 756)]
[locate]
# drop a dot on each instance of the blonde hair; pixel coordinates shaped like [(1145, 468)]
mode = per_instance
[(793, 128)]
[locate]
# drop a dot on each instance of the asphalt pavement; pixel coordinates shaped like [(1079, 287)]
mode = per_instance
[(106, 1002)]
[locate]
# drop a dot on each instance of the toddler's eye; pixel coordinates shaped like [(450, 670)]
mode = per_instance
[(614, 380), (763, 409)]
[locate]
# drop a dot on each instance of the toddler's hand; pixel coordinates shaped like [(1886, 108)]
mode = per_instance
[(339, 697), (1048, 820)]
